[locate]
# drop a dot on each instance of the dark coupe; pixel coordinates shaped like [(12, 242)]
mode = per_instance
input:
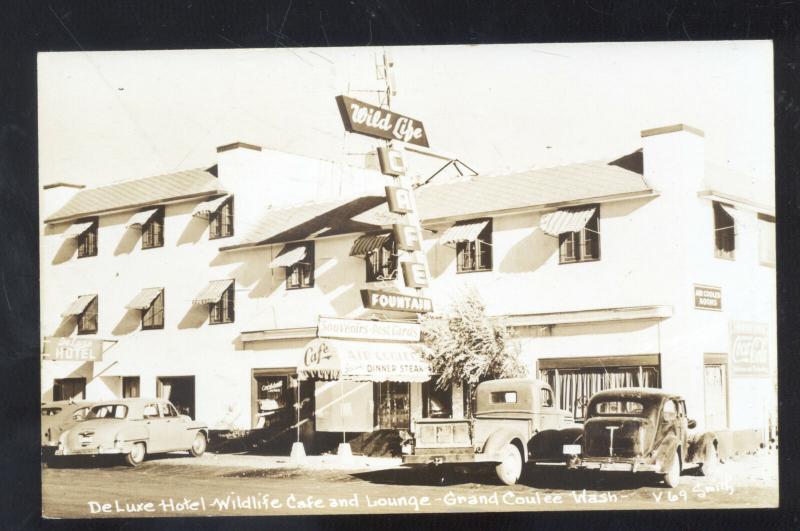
[(641, 430)]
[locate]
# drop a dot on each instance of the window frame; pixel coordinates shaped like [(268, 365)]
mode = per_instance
[(226, 301), (149, 232), (475, 249), (220, 219), (718, 212), (152, 309), (578, 241), (296, 269), (85, 316), (384, 257), (72, 380), (89, 238)]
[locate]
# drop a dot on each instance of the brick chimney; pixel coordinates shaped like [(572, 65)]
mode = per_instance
[(674, 159)]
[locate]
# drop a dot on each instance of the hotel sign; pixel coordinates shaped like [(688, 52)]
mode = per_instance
[(72, 349), (749, 352), (396, 302), (707, 297), (364, 329), (360, 117)]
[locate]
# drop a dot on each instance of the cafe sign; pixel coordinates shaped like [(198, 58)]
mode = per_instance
[(365, 329), (396, 302), (749, 352), (366, 119), (707, 297), (72, 349)]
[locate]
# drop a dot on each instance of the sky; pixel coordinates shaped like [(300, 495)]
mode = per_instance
[(111, 116)]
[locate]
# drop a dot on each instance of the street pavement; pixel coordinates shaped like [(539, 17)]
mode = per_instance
[(225, 484)]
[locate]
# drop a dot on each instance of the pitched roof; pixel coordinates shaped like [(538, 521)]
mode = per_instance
[(539, 187), (138, 193), (310, 220)]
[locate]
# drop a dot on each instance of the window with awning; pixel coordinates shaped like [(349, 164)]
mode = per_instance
[(289, 256), (577, 230), (473, 243), (144, 299), (151, 302), (368, 243), (206, 208), (77, 229), (463, 232), (85, 308), (379, 253), (724, 231), (298, 259), (566, 220), (139, 219), (213, 292), (79, 305)]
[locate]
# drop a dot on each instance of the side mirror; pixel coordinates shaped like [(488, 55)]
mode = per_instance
[(692, 424)]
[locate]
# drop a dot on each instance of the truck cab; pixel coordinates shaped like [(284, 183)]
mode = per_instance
[(515, 423)]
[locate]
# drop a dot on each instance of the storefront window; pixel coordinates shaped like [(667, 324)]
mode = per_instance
[(273, 401)]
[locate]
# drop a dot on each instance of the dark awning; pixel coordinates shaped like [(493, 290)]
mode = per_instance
[(368, 243)]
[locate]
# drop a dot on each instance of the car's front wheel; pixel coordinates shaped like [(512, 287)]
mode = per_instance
[(510, 468), (673, 475), (136, 455), (198, 445)]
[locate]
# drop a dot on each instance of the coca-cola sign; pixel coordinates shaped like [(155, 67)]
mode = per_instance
[(749, 352), (360, 117)]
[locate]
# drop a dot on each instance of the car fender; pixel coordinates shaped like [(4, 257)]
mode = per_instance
[(500, 438), (550, 443), (666, 451), (699, 445)]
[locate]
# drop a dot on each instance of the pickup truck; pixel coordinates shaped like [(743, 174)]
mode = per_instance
[(515, 423)]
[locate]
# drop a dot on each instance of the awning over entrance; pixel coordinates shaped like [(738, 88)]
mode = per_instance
[(368, 243), (77, 229), (360, 361), (213, 292), (289, 256), (206, 208), (464, 232), (138, 220), (144, 299), (561, 221), (79, 305)]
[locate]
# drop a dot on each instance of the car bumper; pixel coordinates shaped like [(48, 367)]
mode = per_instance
[(429, 456), (614, 465), (90, 451)]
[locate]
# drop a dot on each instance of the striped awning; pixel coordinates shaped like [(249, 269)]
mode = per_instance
[(206, 208), (369, 242), (463, 232), (289, 256), (77, 229), (79, 305), (138, 220), (561, 221), (213, 292), (144, 299)]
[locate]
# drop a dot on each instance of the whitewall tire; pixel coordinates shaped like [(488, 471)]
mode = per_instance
[(509, 469)]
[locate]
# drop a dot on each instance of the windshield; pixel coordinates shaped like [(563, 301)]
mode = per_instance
[(613, 407), (108, 411)]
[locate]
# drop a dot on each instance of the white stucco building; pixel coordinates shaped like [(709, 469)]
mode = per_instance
[(648, 269)]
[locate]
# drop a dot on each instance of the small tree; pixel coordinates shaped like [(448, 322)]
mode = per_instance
[(468, 347)]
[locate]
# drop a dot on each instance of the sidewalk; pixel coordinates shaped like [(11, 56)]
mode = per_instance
[(311, 462)]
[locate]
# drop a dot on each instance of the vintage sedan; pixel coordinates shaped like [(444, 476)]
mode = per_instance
[(641, 430), (59, 416), (133, 428)]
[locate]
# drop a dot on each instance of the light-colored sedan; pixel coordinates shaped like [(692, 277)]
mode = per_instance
[(133, 428), (59, 416)]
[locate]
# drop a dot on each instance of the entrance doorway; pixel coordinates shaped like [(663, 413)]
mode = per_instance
[(715, 377), (130, 387), (394, 408), (179, 390)]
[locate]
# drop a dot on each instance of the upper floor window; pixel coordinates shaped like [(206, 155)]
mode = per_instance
[(475, 253), (87, 240), (87, 319), (222, 311), (153, 316), (300, 274), (221, 221), (381, 263), (153, 230), (582, 245), (724, 232), (766, 239)]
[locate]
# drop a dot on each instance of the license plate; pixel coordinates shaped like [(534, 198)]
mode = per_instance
[(572, 449), (616, 467)]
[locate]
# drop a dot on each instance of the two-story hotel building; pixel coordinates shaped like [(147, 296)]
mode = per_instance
[(206, 286)]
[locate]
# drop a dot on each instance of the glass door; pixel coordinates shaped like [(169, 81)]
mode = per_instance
[(394, 409)]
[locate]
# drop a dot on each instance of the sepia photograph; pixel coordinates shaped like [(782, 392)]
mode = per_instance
[(408, 279)]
